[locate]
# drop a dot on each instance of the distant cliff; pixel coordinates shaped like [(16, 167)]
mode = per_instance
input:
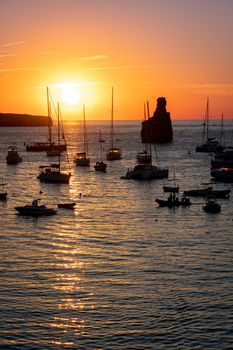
[(158, 129), (13, 119)]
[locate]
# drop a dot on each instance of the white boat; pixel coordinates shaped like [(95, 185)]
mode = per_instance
[(100, 165), (12, 156), (35, 209), (52, 173), (81, 158), (209, 144), (113, 153)]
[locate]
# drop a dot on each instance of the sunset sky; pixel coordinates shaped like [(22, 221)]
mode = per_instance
[(180, 49)]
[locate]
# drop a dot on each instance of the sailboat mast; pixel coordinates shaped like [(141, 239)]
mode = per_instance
[(58, 134), (84, 132), (144, 112), (100, 141), (49, 118), (222, 134), (111, 136), (207, 119), (148, 116)]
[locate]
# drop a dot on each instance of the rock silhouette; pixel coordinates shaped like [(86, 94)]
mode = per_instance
[(13, 119), (158, 129)]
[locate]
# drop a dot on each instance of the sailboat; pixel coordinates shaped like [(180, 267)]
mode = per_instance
[(113, 152), (147, 171), (52, 173), (100, 165), (172, 188), (209, 143), (145, 155), (47, 145), (81, 158)]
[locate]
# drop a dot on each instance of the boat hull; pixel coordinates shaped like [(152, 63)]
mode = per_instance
[(66, 205), (113, 154), (44, 146), (100, 166), (212, 208), (223, 174), (208, 192), (143, 172), (54, 177), (29, 210)]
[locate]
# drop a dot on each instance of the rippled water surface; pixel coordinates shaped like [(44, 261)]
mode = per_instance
[(117, 272)]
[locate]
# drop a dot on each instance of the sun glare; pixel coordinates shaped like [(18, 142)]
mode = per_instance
[(70, 94)]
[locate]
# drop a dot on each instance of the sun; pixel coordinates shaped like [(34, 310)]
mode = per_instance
[(70, 94)]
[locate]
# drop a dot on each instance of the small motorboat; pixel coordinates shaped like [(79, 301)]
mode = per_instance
[(13, 156), (211, 205), (35, 209), (100, 166), (208, 191), (66, 205), (173, 201)]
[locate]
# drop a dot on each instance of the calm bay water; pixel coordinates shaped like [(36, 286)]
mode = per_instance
[(117, 272)]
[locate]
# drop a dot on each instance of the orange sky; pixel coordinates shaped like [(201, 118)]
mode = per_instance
[(180, 49)]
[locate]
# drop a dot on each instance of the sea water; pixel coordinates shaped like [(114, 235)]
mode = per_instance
[(117, 272)]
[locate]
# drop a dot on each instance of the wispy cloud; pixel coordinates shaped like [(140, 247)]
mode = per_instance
[(5, 70), (15, 43), (51, 53), (218, 89), (3, 55), (93, 58), (119, 67)]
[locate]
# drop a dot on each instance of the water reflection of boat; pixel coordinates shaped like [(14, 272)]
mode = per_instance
[(13, 156), (211, 205), (35, 209)]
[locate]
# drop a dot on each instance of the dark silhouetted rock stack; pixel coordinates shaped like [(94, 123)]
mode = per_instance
[(158, 129)]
